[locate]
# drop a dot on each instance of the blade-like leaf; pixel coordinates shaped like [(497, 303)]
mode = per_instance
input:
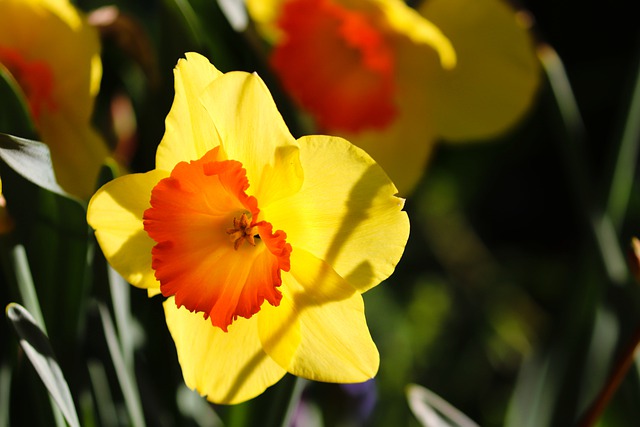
[(536, 391), (126, 378), (52, 227), (31, 160), (433, 411), (107, 412), (122, 311), (38, 349), (5, 392)]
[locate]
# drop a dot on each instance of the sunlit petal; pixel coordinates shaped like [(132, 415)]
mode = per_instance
[(226, 367), (189, 133), (115, 212), (345, 208), (235, 95), (319, 330)]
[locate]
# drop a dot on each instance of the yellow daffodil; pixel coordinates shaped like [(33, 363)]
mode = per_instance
[(261, 243), (393, 79), (54, 56)]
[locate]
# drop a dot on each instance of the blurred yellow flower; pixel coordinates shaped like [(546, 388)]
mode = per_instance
[(54, 56), (262, 243), (393, 79)]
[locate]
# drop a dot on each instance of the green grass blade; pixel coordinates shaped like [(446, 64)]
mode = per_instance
[(25, 284), (37, 347), (122, 311), (107, 412), (625, 165), (5, 389), (126, 378)]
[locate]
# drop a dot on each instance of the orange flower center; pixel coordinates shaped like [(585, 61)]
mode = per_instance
[(337, 64), (198, 257), (34, 77), (242, 229)]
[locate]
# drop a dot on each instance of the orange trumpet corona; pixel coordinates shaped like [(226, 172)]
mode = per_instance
[(195, 260)]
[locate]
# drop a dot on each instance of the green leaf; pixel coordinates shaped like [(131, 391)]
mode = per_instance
[(31, 160), (107, 412), (37, 347), (5, 392), (24, 281), (14, 112), (52, 227), (122, 311), (537, 390), (126, 377)]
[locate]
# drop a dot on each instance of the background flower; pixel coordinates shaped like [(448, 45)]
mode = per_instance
[(393, 80), (58, 69)]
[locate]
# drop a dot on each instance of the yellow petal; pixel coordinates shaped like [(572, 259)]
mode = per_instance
[(226, 367), (115, 212), (248, 122), (76, 64), (64, 41), (189, 132), (282, 178), (69, 50), (345, 212), (420, 31), (265, 13), (497, 73), (405, 146), (63, 9), (319, 330), (77, 153)]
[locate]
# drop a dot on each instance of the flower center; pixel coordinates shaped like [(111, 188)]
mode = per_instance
[(34, 77), (337, 64), (242, 230), (202, 261)]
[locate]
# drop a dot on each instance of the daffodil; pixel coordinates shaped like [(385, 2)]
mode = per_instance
[(54, 55), (262, 243), (393, 79)]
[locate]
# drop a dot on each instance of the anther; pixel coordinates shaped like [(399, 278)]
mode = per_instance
[(242, 230)]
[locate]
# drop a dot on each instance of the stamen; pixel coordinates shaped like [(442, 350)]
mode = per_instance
[(242, 230)]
